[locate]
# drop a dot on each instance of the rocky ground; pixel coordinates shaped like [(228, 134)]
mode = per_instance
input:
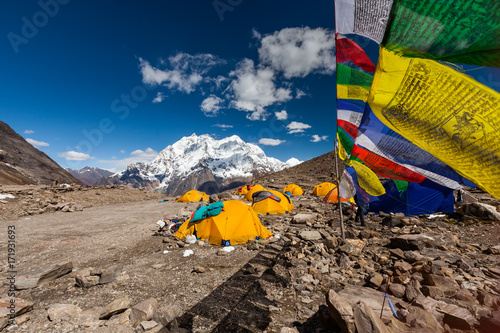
[(108, 267)]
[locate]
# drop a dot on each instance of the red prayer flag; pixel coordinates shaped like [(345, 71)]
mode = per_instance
[(347, 50)]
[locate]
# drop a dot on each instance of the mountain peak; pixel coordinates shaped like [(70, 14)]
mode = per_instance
[(178, 167)]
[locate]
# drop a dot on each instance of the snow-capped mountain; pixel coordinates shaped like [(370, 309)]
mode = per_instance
[(202, 163), (89, 175)]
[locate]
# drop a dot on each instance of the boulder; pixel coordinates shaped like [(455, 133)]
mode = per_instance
[(353, 247), (341, 311), (43, 275), (110, 274), (303, 218), (64, 312), (447, 285), (143, 311), (412, 242), (20, 306), (480, 210), (310, 235), (117, 306), (366, 320)]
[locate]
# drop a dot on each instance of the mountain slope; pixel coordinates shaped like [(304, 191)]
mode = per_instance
[(21, 163), (89, 175), (199, 162)]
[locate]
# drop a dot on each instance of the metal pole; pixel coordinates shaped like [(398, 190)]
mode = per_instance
[(342, 231)]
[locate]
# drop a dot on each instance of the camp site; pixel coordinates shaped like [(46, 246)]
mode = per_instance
[(250, 166)]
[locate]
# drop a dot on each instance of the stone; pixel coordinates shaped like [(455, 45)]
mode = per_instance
[(289, 330), (466, 296), (331, 242), (148, 325), (310, 235), (412, 290), (353, 247), (22, 319), (412, 242), (393, 220), (486, 299), (64, 312), (110, 274), (86, 281), (120, 319), (303, 218), (490, 324), (402, 266), (448, 285), (493, 249), (432, 291), (376, 280), (43, 275), (143, 311), (398, 290), (167, 314), (341, 311), (199, 269), (366, 320), (454, 316), (420, 318), (480, 210), (353, 294), (88, 318), (20, 307), (117, 306)]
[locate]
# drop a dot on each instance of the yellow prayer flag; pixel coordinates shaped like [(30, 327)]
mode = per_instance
[(367, 179), (442, 111), (352, 92)]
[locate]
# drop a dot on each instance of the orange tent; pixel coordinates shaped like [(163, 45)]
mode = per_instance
[(333, 197)]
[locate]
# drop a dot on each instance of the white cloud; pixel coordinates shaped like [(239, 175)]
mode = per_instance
[(29, 132), (254, 89), (136, 156), (37, 144), (223, 126), (270, 142), (184, 74), (281, 115), (122, 151), (317, 138), (298, 52), (297, 127), (299, 93), (292, 162), (211, 106), (159, 97), (74, 156)]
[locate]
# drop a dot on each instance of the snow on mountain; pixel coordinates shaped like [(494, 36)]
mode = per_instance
[(220, 161)]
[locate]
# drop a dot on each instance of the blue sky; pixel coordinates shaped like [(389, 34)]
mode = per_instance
[(106, 83)]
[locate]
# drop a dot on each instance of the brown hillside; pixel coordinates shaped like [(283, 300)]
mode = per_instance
[(21, 163)]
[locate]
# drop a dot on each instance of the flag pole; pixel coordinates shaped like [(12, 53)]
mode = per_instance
[(342, 231)]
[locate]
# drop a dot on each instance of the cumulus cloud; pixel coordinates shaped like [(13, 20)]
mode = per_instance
[(136, 156), (159, 97), (28, 131), (223, 126), (297, 127), (292, 162), (211, 106), (271, 142), (122, 151), (317, 138), (37, 144), (281, 115), (184, 71), (297, 52), (254, 89), (74, 156)]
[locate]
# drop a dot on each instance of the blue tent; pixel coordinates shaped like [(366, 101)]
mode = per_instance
[(424, 198)]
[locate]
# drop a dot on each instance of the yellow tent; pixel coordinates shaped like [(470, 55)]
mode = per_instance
[(237, 223), (293, 189), (252, 190), (193, 196), (322, 189), (241, 190), (271, 202), (333, 197)]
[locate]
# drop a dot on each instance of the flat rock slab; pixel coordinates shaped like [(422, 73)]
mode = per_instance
[(341, 311), (117, 306), (143, 311), (420, 241), (371, 297), (65, 312), (111, 274), (43, 275), (20, 306), (311, 235), (303, 218)]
